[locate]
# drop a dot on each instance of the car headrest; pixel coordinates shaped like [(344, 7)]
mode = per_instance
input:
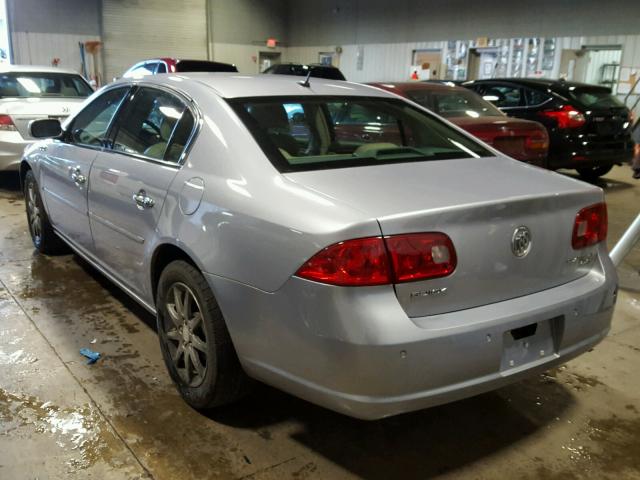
[(269, 115)]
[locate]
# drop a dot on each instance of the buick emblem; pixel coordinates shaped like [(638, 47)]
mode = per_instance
[(521, 242)]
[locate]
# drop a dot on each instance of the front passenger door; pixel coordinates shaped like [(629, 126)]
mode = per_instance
[(129, 182)]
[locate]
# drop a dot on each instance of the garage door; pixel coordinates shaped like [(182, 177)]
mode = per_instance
[(133, 30)]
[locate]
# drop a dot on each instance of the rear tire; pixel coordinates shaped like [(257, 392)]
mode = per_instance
[(195, 343), (43, 236), (593, 173)]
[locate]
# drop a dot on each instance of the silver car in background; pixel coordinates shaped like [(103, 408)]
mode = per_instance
[(376, 264), (28, 93)]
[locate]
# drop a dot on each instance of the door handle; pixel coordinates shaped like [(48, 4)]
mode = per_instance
[(42, 148), (76, 176), (142, 200)]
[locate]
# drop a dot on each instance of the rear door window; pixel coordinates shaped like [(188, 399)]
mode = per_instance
[(147, 125), (504, 96), (536, 97)]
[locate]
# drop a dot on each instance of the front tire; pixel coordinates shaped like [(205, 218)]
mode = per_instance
[(195, 343), (591, 174), (43, 236)]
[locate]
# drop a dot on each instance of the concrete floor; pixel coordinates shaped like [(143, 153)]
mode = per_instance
[(121, 418)]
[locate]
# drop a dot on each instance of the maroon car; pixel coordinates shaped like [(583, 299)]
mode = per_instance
[(520, 139)]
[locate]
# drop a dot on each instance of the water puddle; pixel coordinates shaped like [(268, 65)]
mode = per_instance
[(77, 432)]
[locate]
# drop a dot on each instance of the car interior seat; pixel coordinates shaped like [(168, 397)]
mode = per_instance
[(273, 118)]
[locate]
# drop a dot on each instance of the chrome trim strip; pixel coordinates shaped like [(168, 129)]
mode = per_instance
[(104, 271), (120, 230)]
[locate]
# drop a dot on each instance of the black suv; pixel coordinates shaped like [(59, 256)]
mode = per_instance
[(317, 70), (589, 128)]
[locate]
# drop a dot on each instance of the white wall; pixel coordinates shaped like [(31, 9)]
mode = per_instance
[(44, 30), (40, 48), (352, 22)]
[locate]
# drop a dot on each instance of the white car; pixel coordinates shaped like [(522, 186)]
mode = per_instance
[(31, 92)]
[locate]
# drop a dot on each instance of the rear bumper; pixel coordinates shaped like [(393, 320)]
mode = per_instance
[(12, 147), (573, 152), (356, 352)]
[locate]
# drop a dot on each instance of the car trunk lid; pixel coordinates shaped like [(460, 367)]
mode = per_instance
[(479, 204), (23, 111), (520, 139)]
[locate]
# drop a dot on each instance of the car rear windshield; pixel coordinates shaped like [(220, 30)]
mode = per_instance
[(595, 98), (43, 85), (313, 133), (204, 66), (454, 103)]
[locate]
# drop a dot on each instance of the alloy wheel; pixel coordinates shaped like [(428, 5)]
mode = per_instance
[(35, 220), (185, 335)]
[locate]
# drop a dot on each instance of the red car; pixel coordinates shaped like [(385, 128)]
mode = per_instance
[(172, 65), (520, 139)]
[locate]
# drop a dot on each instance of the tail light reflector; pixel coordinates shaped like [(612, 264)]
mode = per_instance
[(590, 226), (6, 123), (566, 116), (537, 141), (381, 261)]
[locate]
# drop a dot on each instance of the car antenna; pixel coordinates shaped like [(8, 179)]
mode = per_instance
[(305, 82)]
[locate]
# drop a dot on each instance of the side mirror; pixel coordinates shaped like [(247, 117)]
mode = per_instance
[(45, 128)]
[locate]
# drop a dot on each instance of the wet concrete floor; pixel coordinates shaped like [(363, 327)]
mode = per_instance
[(122, 419)]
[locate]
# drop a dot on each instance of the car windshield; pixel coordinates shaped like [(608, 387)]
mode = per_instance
[(312, 133), (30, 84), (454, 103), (595, 98)]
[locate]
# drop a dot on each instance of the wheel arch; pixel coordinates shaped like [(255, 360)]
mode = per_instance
[(24, 168), (163, 255)]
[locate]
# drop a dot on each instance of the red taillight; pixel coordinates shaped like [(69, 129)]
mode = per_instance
[(378, 261), (419, 256), (566, 116), (359, 262), (590, 226), (6, 123)]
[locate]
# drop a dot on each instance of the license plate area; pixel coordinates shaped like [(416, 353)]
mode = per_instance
[(531, 343)]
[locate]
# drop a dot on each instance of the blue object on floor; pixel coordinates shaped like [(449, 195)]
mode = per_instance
[(90, 354)]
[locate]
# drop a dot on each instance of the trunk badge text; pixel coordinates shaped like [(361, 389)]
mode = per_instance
[(429, 293), (521, 242)]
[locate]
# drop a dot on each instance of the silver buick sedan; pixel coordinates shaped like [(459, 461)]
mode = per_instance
[(327, 238)]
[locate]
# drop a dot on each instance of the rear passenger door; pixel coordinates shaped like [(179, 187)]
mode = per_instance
[(129, 181)]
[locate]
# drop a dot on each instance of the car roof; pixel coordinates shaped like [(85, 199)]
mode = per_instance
[(314, 65), (234, 85), (405, 86), (541, 82), (7, 68)]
